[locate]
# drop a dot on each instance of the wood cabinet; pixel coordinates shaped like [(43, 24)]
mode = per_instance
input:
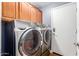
[(30, 13), (36, 15), (21, 11), (25, 11), (17, 8), (8, 10), (33, 15)]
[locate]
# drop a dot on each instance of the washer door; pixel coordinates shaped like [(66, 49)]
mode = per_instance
[(29, 42)]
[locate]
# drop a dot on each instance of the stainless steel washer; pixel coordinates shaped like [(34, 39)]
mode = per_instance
[(28, 41)]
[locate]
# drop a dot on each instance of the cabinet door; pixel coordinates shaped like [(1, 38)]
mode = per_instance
[(39, 16), (33, 15), (25, 11), (8, 9)]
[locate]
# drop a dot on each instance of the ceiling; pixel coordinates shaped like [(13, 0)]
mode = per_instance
[(41, 5)]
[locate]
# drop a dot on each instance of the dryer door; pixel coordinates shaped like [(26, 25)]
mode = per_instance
[(48, 37), (29, 42)]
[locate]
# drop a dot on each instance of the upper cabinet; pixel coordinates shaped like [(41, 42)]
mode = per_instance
[(39, 16), (33, 15), (8, 10), (36, 15), (21, 11), (25, 13)]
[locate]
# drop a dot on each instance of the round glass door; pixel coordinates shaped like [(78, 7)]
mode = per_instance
[(47, 36), (29, 42)]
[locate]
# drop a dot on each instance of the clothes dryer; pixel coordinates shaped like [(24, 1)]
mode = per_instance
[(47, 36)]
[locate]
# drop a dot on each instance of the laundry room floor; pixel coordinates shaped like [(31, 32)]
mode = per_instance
[(54, 54), (47, 53)]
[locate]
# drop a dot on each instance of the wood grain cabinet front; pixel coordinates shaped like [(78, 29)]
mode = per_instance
[(39, 16), (21, 11), (36, 15), (25, 13), (8, 10), (33, 15)]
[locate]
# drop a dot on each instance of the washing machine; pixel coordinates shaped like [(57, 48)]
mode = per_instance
[(28, 41), (47, 36)]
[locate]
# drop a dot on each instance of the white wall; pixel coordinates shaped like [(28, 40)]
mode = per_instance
[(0, 28), (47, 12)]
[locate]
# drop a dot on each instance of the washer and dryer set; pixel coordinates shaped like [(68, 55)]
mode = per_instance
[(31, 40)]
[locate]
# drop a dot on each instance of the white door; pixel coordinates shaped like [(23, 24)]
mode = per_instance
[(64, 22)]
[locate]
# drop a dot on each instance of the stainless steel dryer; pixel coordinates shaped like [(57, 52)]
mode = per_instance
[(47, 36)]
